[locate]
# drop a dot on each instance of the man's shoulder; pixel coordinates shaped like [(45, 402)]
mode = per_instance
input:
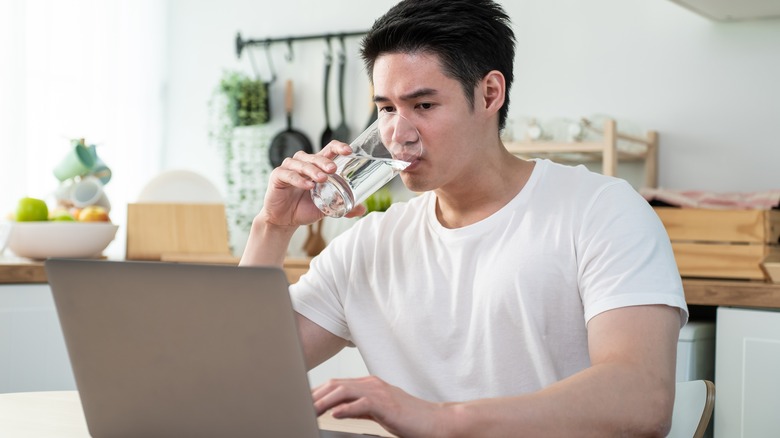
[(577, 172), (577, 182)]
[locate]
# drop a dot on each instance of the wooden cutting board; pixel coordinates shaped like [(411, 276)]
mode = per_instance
[(157, 229)]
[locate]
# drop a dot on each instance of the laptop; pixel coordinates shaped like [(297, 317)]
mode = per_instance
[(183, 350)]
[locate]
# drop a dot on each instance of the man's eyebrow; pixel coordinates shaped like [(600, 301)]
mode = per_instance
[(422, 92)]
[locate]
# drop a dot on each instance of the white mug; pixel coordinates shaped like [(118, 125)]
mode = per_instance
[(89, 191)]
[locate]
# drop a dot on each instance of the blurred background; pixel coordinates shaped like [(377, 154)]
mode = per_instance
[(138, 78)]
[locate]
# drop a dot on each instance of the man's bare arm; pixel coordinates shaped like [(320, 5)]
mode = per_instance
[(267, 244), (319, 344)]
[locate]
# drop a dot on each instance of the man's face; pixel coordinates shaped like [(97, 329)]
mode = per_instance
[(414, 86)]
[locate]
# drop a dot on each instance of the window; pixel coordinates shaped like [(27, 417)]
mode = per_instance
[(90, 69)]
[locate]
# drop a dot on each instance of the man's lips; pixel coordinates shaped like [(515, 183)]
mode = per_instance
[(411, 167)]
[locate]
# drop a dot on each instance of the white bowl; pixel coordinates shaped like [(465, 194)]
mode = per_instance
[(5, 232), (41, 240)]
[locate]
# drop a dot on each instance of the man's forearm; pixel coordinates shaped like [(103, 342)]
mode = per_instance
[(267, 244), (602, 401), (628, 390)]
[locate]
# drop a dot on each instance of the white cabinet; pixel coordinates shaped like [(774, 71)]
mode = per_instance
[(32, 351), (747, 373), (730, 10)]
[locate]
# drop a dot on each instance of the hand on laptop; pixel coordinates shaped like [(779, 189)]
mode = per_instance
[(372, 398)]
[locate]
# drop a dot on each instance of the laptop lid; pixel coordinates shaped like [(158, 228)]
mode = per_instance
[(163, 349)]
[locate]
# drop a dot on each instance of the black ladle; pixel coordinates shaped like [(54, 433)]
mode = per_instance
[(342, 131), (327, 134)]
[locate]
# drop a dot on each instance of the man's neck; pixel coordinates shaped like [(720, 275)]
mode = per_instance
[(487, 192)]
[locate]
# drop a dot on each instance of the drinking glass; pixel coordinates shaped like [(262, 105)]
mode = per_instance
[(381, 152)]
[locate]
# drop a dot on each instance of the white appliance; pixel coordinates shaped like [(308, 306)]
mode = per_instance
[(696, 351)]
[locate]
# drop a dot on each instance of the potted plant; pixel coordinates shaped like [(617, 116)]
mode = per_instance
[(379, 200), (247, 98)]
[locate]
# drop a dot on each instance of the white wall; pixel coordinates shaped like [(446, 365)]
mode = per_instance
[(202, 44), (87, 69), (710, 89)]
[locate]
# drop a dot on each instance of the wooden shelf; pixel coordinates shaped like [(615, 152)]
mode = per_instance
[(605, 151)]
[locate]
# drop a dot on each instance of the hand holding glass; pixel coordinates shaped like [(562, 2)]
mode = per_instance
[(381, 152)]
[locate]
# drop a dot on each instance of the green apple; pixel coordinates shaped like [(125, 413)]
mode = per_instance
[(31, 209), (61, 214)]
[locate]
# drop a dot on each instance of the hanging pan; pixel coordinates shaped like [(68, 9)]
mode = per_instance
[(286, 143)]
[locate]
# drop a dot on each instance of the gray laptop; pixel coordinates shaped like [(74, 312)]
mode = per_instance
[(180, 350)]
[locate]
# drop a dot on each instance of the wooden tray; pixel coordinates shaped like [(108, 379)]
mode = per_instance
[(157, 229)]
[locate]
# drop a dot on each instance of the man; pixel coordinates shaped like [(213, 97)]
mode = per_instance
[(512, 297)]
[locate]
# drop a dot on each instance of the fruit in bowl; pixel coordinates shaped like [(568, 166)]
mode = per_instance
[(31, 210), (93, 213), (36, 232), (61, 214)]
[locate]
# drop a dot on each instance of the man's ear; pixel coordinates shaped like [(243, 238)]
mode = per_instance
[(493, 87)]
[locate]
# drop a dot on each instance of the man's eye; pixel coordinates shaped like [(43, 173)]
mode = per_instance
[(425, 105), (386, 109)]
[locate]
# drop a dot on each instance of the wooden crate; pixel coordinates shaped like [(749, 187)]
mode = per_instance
[(721, 243), (771, 267)]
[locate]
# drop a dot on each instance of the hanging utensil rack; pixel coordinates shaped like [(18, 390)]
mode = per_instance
[(242, 43)]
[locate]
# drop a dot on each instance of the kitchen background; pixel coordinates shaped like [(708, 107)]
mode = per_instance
[(136, 78)]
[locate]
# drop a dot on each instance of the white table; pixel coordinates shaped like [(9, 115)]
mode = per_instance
[(58, 414)]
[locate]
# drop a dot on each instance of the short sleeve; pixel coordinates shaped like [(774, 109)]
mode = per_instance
[(624, 255)]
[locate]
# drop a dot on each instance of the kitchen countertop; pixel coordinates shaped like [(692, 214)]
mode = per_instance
[(738, 293), (17, 270), (707, 292)]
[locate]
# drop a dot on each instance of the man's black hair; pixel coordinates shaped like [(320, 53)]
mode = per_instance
[(469, 37)]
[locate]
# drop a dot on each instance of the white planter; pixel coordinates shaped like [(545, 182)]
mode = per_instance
[(246, 175)]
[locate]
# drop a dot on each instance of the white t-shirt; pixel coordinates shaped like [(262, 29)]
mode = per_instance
[(498, 307)]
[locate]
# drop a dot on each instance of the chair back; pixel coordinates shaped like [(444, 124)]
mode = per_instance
[(693, 403)]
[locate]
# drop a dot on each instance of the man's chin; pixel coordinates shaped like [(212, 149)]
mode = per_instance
[(415, 183)]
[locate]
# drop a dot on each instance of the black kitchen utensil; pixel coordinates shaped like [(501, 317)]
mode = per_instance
[(286, 143), (327, 134), (341, 132), (374, 111)]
